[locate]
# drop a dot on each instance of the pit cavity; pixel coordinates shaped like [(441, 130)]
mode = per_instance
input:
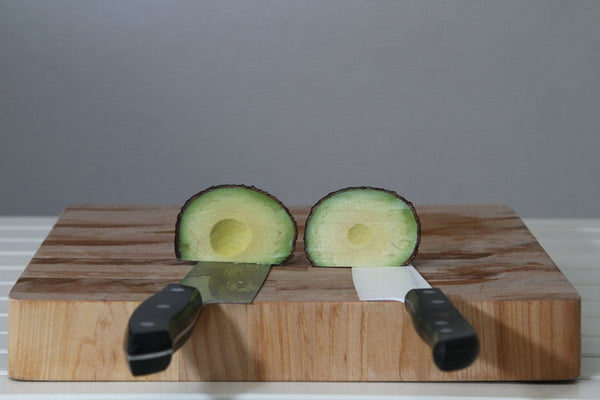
[(229, 237), (359, 234)]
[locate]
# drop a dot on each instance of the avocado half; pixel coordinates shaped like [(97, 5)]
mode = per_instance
[(362, 226), (235, 223)]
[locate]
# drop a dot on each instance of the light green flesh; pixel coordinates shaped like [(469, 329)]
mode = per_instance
[(236, 224), (362, 227)]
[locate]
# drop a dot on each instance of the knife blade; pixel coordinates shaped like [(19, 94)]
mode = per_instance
[(162, 323), (438, 322)]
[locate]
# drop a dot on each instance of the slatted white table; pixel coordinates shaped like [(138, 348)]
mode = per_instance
[(574, 244)]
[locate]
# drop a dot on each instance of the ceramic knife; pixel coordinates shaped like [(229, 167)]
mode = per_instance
[(162, 323), (451, 337)]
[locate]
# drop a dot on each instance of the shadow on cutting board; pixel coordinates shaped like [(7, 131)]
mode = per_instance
[(219, 348), (521, 349)]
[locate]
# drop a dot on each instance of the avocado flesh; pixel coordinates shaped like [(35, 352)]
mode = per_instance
[(362, 227), (235, 223)]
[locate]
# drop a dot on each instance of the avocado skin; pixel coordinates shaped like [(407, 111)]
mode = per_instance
[(393, 193), (251, 187)]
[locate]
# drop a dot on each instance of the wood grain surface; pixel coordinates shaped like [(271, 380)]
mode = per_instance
[(69, 310)]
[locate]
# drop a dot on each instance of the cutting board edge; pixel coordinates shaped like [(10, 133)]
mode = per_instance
[(293, 326)]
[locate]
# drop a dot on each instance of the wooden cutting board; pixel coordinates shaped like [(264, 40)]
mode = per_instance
[(69, 310)]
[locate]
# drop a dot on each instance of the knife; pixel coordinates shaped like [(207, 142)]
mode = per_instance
[(162, 323), (438, 322)]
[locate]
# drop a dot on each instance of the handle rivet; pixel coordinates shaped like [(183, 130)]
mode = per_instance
[(176, 289), (441, 322), (147, 324), (163, 306), (446, 330), (438, 301)]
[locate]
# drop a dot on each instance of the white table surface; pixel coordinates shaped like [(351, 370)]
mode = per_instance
[(573, 244)]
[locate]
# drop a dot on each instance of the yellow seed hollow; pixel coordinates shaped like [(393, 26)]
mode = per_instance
[(229, 237), (359, 234)]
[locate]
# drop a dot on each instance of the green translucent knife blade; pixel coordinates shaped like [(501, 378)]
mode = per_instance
[(225, 282)]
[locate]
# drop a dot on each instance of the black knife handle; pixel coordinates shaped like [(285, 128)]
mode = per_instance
[(159, 326), (451, 337)]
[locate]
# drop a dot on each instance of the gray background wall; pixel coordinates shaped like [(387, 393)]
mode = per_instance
[(444, 101)]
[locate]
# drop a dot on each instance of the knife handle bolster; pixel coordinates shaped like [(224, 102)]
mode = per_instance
[(159, 326), (453, 340)]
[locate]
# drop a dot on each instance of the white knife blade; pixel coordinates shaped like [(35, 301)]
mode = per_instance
[(386, 283)]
